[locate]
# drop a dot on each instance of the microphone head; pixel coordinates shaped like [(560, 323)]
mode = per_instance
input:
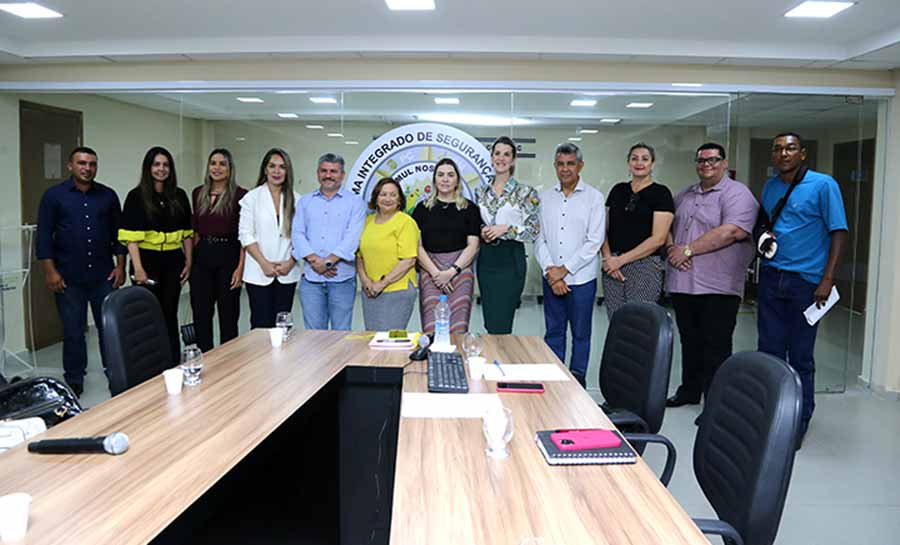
[(424, 341), (115, 443)]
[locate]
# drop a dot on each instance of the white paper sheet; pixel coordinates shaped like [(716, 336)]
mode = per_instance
[(533, 372), (813, 314), (421, 405)]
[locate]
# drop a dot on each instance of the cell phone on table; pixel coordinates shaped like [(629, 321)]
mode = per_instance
[(521, 387)]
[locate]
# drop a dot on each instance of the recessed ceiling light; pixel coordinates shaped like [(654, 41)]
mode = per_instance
[(351, 143), (30, 10), (588, 131), (288, 115), (241, 138), (574, 139), (610, 120), (480, 120), (446, 100), (315, 127), (584, 103), (410, 5), (323, 100), (290, 92), (818, 10), (687, 85), (640, 105), (335, 135), (250, 100)]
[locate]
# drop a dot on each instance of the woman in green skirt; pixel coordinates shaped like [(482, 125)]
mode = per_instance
[(510, 211)]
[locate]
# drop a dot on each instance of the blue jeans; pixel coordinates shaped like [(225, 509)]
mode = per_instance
[(72, 304), (783, 330), (575, 308), (325, 302)]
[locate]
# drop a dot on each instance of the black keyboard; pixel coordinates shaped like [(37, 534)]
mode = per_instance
[(446, 373)]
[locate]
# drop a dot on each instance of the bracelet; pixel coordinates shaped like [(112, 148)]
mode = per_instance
[(458, 269)]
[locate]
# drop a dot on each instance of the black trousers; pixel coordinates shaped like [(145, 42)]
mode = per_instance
[(706, 325), (214, 263), (267, 301), (165, 268)]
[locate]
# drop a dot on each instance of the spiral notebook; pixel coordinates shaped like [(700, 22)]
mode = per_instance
[(622, 454)]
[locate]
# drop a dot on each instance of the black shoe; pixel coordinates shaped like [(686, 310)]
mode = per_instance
[(77, 388), (581, 380), (679, 400)]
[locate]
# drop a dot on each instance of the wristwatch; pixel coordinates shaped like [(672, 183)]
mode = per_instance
[(455, 266), (687, 251), (329, 264)]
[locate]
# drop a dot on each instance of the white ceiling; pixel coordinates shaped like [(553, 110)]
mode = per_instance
[(731, 32)]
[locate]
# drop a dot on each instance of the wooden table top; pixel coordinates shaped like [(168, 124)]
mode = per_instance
[(446, 490)]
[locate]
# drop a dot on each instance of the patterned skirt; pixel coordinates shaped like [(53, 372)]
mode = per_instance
[(460, 299)]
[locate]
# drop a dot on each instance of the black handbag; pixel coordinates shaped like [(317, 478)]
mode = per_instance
[(44, 397)]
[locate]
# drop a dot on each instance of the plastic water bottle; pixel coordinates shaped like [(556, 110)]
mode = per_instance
[(442, 322)]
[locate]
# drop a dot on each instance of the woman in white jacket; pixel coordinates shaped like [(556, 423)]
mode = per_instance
[(267, 211)]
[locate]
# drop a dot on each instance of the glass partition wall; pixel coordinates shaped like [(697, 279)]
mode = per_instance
[(840, 133)]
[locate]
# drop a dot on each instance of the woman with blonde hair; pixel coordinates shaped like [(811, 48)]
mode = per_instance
[(218, 264), (267, 212), (450, 227)]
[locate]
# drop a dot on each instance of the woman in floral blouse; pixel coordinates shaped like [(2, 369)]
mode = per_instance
[(510, 211)]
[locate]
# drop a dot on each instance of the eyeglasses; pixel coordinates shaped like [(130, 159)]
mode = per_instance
[(632, 202), (711, 161), (791, 148)]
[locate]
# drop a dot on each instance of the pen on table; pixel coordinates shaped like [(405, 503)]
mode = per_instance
[(497, 363)]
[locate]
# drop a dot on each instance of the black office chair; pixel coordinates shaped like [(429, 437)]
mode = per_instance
[(635, 367), (135, 339), (745, 446)]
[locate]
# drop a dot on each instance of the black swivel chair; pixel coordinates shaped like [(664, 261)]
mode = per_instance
[(135, 339), (745, 446)]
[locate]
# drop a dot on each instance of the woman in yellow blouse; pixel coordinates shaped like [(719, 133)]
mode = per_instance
[(386, 260), (156, 228)]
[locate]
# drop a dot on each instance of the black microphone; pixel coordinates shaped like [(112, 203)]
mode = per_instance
[(421, 353), (114, 443)]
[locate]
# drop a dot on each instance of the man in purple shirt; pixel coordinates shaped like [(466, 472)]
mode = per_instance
[(707, 263)]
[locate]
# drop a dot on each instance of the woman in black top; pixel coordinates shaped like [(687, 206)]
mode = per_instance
[(639, 214), (156, 227), (450, 226)]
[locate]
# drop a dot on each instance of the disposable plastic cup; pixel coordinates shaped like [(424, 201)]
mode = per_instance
[(476, 367), (174, 379), (14, 509), (276, 335)]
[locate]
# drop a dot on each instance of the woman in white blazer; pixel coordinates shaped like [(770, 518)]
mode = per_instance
[(267, 211)]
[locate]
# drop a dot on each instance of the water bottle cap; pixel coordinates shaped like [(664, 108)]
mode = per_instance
[(442, 299)]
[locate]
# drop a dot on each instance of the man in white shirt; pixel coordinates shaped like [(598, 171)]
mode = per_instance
[(573, 220)]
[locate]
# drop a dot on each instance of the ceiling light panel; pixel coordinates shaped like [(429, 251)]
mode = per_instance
[(335, 135), (641, 105), (30, 10), (410, 5), (446, 100), (611, 120), (315, 127), (323, 100), (588, 131), (583, 103), (818, 10), (574, 139), (288, 115), (250, 100)]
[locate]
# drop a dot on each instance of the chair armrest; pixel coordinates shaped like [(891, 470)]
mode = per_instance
[(671, 455), (720, 528), (627, 420)]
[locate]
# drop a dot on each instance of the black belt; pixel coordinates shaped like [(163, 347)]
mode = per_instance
[(217, 240)]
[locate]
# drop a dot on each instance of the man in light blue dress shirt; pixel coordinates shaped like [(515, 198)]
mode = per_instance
[(325, 235)]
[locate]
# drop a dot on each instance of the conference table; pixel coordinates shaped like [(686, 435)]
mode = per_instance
[(406, 481)]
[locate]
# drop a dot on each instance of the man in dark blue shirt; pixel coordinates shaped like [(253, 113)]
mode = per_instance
[(77, 236)]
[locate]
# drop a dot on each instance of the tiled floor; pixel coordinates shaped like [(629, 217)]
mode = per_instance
[(845, 488)]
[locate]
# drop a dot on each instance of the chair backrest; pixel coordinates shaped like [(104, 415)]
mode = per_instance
[(744, 450), (135, 340), (637, 361)]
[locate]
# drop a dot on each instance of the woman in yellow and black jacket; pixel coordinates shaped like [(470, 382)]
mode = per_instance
[(156, 227)]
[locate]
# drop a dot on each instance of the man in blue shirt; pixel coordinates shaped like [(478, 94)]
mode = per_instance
[(325, 234), (810, 233), (77, 236)]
